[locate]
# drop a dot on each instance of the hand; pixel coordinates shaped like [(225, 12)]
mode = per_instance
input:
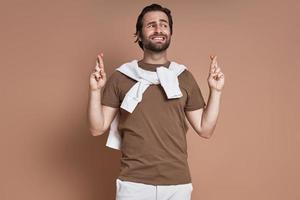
[(98, 77), (216, 78)]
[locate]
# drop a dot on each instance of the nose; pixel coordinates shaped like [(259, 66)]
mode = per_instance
[(158, 29)]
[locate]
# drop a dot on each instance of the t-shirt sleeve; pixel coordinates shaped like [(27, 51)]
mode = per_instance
[(110, 95), (195, 99)]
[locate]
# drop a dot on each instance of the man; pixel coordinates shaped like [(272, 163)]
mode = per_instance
[(154, 152)]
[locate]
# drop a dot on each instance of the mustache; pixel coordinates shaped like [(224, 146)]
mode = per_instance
[(158, 35)]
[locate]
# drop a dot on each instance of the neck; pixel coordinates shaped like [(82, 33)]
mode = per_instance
[(154, 57)]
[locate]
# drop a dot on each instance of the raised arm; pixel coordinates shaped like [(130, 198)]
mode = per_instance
[(204, 120), (99, 116)]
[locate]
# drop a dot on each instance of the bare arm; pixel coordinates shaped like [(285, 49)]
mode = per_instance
[(99, 116), (204, 120)]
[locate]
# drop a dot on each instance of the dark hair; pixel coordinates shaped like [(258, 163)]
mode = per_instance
[(139, 23)]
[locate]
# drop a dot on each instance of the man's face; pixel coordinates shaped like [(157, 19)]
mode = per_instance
[(155, 34)]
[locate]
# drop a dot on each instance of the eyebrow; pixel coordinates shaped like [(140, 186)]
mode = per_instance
[(161, 20)]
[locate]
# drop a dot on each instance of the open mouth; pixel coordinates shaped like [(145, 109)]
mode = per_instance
[(158, 38)]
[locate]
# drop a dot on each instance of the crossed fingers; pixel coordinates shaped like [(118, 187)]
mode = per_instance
[(99, 68), (215, 70)]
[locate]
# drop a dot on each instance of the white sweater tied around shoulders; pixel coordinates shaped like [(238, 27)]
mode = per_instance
[(167, 77)]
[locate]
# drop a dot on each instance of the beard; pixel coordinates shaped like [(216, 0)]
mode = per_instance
[(156, 46)]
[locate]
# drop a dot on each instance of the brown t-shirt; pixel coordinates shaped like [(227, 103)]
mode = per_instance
[(154, 146)]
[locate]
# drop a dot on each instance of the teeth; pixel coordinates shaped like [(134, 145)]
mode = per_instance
[(158, 38)]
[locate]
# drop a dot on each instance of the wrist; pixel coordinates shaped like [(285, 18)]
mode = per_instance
[(215, 91), (95, 90)]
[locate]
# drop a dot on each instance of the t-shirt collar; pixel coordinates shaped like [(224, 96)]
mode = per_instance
[(152, 67)]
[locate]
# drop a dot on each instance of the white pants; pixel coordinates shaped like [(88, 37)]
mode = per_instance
[(127, 190)]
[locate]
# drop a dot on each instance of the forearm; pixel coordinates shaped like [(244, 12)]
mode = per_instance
[(95, 112), (210, 113)]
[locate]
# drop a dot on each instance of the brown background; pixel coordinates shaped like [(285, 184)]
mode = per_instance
[(48, 50)]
